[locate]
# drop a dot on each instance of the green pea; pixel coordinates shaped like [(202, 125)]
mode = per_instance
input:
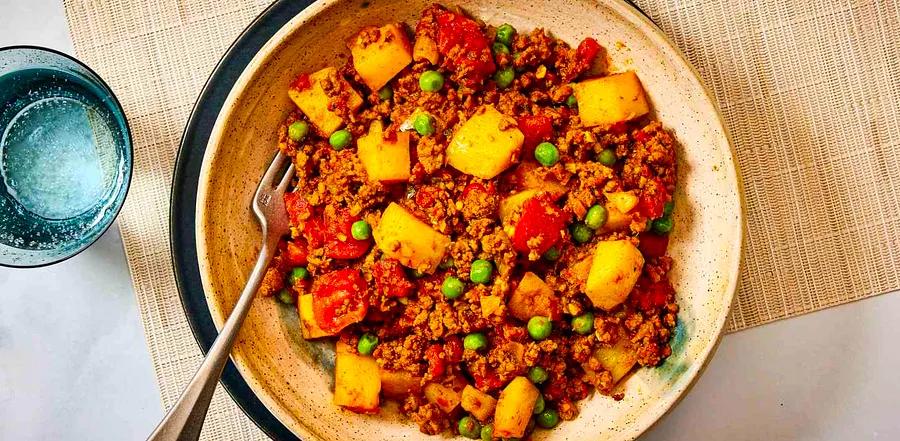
[(571, 101), (583, 324), (487, 432), (360, 230), (481, 271), (469, 427), (340, 139), (504, 77), (386, 93), (298, 130), (505, 34), (499, 48), (546, 153), (668, 208), (595, 217), (537, 374), (475, 341), (581, 233), (548, 419), (431, 81), (552, 254), (452, 288), (285, 296), (663, 225), (607, 157), (539, 327), (447, 264), (297, 274), (367, 343), (423, 124), (539, 404)]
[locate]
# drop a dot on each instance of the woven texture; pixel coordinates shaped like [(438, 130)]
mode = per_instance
[(810, 92)]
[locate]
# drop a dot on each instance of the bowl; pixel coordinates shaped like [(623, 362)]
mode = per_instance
[(65, 156), (293, 377)]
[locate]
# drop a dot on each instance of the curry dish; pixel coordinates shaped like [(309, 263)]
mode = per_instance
[(480, 219)]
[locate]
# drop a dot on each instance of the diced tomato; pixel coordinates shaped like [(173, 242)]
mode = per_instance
[(339, 243), (653, 245), (641, 136), (302, 82), (437, 363), (585, 55), (339, 299), (618, 128), (542, 219), (487, 382), (649, 295), (390, 279), (461, 37), (653, 199), (536, 128), (478, 187), (314, 232), (453, 349), (295, 254), (298, 209)]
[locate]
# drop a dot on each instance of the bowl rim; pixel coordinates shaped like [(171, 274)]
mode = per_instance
[(657, 38), (123, 190)]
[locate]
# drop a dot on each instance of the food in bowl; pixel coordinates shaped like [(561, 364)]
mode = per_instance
[(480, 219)]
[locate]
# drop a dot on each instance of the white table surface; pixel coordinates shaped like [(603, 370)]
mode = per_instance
[(74, 364)]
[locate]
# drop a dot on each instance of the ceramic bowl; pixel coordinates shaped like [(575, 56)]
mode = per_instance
[(294, 378)]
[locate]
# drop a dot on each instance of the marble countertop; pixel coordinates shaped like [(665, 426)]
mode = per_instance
[(74, 364)]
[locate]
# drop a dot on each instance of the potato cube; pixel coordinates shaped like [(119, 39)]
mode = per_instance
[(618, 359), (313, 101), (514, 408), (490, 305), (357, 381), (384, 160), (308, 325), (380, 53), (399, 384), (401, 235), (611, 99), (425, 49), (478, 403), (624, 201), (615, 268), (534, 297), (444, 397), (486, 144)]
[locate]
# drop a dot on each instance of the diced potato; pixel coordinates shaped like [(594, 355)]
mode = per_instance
[(615, 219), (399, 384), (533, 297), (611, 99), (357, 381), (380, 53), (490, 305), (425, 49), (313, 101), (444, 397), (617, 359), (486, 144), (384, 160), (401, 235), (531, 178), (514, 408), (624, 201), (510, 204), (615, 268), (478, 403), (308, 325)]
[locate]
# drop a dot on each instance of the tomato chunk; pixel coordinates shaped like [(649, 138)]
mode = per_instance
[(339, 243), (298, 209), (648, 295), (390, 279), (541, 224), (653, 199), (437, 362), (339, 299), (465, 48), (295, 253), (536, 128), (653, 245)]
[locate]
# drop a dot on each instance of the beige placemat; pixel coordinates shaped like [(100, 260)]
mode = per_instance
[(809, 90)]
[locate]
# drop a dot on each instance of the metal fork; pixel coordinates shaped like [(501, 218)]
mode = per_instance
[(185, 418)]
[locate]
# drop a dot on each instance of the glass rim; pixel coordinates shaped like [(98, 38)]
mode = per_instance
[(129, 162)]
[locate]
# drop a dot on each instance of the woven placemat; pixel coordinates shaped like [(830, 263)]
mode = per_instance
[(809, 91)]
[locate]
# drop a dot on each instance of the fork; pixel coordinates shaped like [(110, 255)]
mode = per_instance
[(185, 419)]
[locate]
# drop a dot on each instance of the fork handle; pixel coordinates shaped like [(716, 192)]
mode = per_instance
[(185, 419)]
